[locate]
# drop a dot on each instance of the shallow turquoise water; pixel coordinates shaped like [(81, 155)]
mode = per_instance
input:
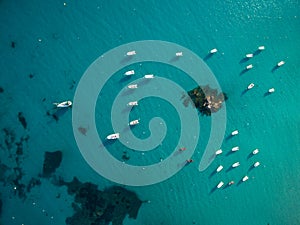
[(73, 36)]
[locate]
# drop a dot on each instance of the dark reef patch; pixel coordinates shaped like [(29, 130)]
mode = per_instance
[(52, 161), (93, 206), (22, 120), (1, 90)]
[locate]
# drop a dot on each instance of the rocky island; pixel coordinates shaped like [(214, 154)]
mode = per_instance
[(206, 99)]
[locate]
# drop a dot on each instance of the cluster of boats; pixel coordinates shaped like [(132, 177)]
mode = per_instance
[(236, 164)]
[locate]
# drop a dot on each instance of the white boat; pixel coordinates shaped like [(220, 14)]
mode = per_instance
[(113, 136), (134, 122), (236, 148), (129, 73), (132, 86), (231, 183), (63, 104), (255, 151), (130, 53), (271, 90), (178, 54), (218, 152), (214, 50), (249, 55), (250, 66), (133, 103), (235, 132), (235, 164), (220, 184), (149, 76), (281, 63), (256, 164), (250, 86), (219, 168), (245, 178), (261, 48)]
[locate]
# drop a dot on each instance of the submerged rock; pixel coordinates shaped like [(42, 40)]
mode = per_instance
[(93, 206), (52, 161)]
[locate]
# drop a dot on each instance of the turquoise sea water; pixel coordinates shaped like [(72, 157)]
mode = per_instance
[(57, 43)]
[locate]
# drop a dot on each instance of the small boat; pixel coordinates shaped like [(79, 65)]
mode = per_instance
[(63, 104), (131, 53), (219, 168), (235, 164), (133, 103), (214, 50), (129, 73), (250, 86), (218, 152), (149, 76), (256, 164), (178, 54), (249, 55), (132, 86), (281, 63), (245, 178), (113, 136), (134, 122), (231, 183), (235, 132), (271, 90), (236, 148), (249, 67), (261, 48), (220, 184), (255, 151)]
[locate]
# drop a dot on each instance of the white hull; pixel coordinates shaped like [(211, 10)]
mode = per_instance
[(178, 54), (149, 76), (249, 67), (213, 51), (219, 168), (133, 103), (250, 86), (245, 178), (234, 149), (256, 164), (235, 164), (235, 132), (249, 55), (134, 122), (281, 63), (131, 53), (271, 90), (113, 136), (255, 151), (129, 73), (63, 104), (261, 48), (219, 152), (220, 184), (132, 86)]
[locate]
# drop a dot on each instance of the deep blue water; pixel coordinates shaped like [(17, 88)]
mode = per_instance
[(56, 44)]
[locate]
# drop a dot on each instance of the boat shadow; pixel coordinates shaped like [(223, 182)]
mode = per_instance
[(229, 169), (56, 113), (267, 94), (243, 71), (229, 137), (274, 68), (208, 56), (213, 190), (244, 92), (257, 52), (126, 59), (144, 81), (250, 155), (174, 59), (229, 153), (127, 92), (251, 168), (124, 79), (127, 109), (107, 142), (243, 60)]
